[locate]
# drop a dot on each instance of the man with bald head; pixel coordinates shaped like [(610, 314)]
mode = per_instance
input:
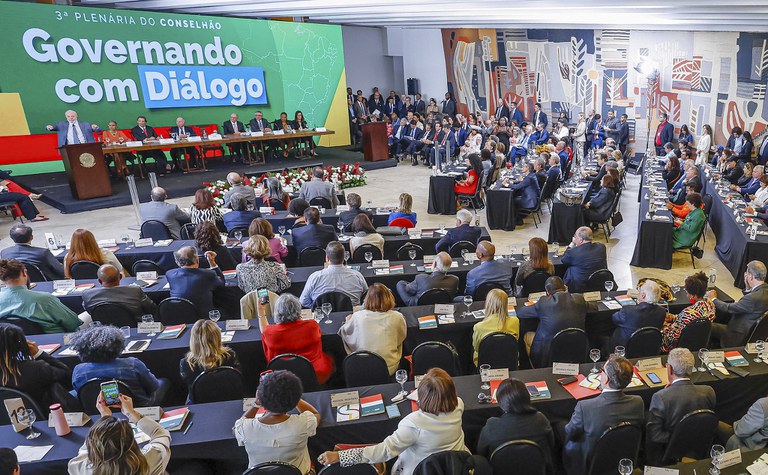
[(73, 131), (489, 271), (582, 258), (131, 298), (238, 188), (182, 132), (742, 315), (233, 127), (438, 279), (167, 213)]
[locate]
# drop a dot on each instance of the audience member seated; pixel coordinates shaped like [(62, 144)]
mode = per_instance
[(464, 231), (274, 192), (681, 211), (336, 277), (599, 207), (240, 216), (83, 247), (434, 427), (582, 258), (291, 334), (158, 210), (539, 260), (752, 181), (238, 188), (701, 308), (208, 238), (317, 188), (647, 313), (760, 197), (276, 435), (39, 307), (748, 433), (733, 171), (258, 272), (27, 368), (262, 227), (110, 446), (468, 185), (354, 202), (24, 251), (490, 271), (592, 417), (496, 320), (100, 348), (437, 279), (129, 297), (204, 209), (526, 191), (602, 157), (205, 353), (376, 328), (520, 421), (23, 201), (742, 315), (677, 194), (296, 209), (687, 230), (671, 404), (365, 233), (9, 462), (404, 210), (314, 234), (671, 172), (192, 283)]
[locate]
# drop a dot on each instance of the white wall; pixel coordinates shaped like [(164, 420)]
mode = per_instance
[(424, 60), (366, 61)]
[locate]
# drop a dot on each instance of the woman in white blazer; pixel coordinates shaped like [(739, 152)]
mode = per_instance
[(704, 145)]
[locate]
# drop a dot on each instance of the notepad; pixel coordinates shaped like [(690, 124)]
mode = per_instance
[(136, 346), (173, 420), (543, 389), (50, 348), (625, 300), (734, 358), (174, 331), (427, 321), (511, 311), (396, 269), (579, 392), (371, 405), (350, 412)]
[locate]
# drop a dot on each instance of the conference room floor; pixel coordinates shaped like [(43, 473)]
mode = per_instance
[(383, 188)]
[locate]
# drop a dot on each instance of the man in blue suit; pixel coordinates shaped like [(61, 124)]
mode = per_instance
[(410, 135), (539, 117), (464, 231), (73, 131), (582, 258), (314, 234), (183, 131), (489, 270), (751, 187), (562, 155), (419, 105), (762, 152), (515, 114), (665, 132), (398, 132), (541, 135), (24, 252), (526, 190), (634, 317), (501, 110), (554, 168), (623, 139), (195, 284)]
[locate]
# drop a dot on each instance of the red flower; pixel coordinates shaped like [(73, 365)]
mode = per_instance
[(207, 184), (247, 181)]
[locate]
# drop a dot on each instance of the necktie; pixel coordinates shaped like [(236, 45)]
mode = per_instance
[(144, 131), (75, 138), (182, 131)]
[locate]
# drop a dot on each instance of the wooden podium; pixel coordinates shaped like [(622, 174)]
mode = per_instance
[(375, 146), (87, 172)]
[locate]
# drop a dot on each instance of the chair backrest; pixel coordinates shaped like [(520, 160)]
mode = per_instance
[(760, 330), (311, 256), (297, 365), (692, 436), (453, 462), (277, 204), (359, 469), (596, 281), (695, 335), (340, 302), (28, 326), (707, 199), (320, 201), (155, 229), (519, 456), (548, 190), (482, 290), (358, 257), (457, 247), (365, 368), (616, 443), (187, 232), (242, 229), (145, 265), (644, 342), (433, 296), (112, 314), (569, 346), (34, 272), (273, 468), (535, 282), (176, 310), (402, 222), (29, 403), (84, 270), (499, 350), (434, 354), (402, 253), (89, 392), (218, 384)]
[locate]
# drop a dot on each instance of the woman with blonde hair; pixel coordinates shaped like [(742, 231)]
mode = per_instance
[(260, 273), (83, 247), (496, 319), (404, 210), (205, 352)]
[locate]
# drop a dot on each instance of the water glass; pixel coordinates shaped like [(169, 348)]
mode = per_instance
[(347, 256), (594, 355), (556, 248), (760, 347), (464, 256), (412, 255), (468, 302), (214, 315), (281, 230), (484, 369), (717, 454), (368, 258), (148, 318), (340, 225), (620, 351), (401, 376), (625, 466), (369, 204), (126, 332), (28, 417), (608, 285), (238, 235), (327, 309)]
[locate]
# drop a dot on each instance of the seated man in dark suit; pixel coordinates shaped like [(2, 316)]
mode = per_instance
[(318, 188), (489, 270), (314, 234), (195, 284), (672, 403), (145, 133), (599, 207), (554, 169), (129, 297), (592, 417), (25, 253), (158, 210), (733, 171), (744, 313), (182, 131), (239, 149), (464, 231), (354, 202), (634, 317), (240, 216), (582, 258), (526, 191), (438, 279), (538, 168)]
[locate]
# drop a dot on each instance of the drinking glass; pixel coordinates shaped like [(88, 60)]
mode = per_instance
[(442, 228), (484, 369), (126, 332), (556, 248), (125, 238), (368, 258), (608, 285), (759, 346), (369, 204), (703, 356), (340, 225), (28, 417), (238, 235), (620, 351), (412, 255), (625, 466), (712, 277), (214, 315), (468, 303), (281, 230), (675, 290), (512, 252), (347, 256), (464, 256), (526, 253), (148, 318), (317, 315), (327, 309), (716, 453), (594, 355), (401, 376)]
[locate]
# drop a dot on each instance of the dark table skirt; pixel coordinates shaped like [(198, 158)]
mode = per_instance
[(565, 220), (500, 209), (442, 199)]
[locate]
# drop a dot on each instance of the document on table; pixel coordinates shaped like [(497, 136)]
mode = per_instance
[(31, 453)]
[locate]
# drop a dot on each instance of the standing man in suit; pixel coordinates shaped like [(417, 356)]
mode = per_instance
[(582, 258), (74, 131), (742, 315), (438, 279), (317, 188), (145, 133), (665, 132), (190, 282), (314, 234), (239, 149), (762, 152), (419, 105), (611, 126), (130, 297), (166, 213), (515, 114), (183, 131), (237, 188), (623, 137), (539, 117), (361, 111), (672, 403), (589, 132), (350, 94), (501, 110), (448, 105), (24, 252), (634, 317), (464, 231), (490, 271), (592, 417)]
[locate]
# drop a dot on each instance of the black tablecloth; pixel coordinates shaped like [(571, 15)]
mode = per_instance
[(331, 216), (701, 467), (653, 247), (442, 199), (500, 209), (565, 220)]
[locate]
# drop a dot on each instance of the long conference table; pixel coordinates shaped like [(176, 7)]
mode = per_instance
[(653, 247)]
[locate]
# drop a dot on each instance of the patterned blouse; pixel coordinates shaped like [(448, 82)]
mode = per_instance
[(700, 310), (266, 274), (212, 214)]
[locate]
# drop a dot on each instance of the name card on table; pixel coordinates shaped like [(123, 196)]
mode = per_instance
[(133, 143), (145, 242), (381, 264), (257, 134), (107, 243), (565, 369), (592, 296), (166, 141), (345, 398), (74, 419), (195, 138), (152, 327), (319, 129), (444, 309), (248, 403), (153, 412), (278, 132), (240, 324), (499, 374), (535, 296), (341, 208), (648, 363), (715, 356), (214, 137), (660, 471), (730, 459), (146, 276), (266, 210), (64, 284)]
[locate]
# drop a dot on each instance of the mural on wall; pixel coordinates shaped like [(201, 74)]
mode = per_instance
[(718, 79)]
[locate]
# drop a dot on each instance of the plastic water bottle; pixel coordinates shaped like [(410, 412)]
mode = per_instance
[(59, 421), (205, 135)]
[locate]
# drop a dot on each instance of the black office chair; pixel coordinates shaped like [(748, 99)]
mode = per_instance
[(218, 384), (90, 391), (242, 229), (29, 403), (402, 252), (155, 229), (27, 326), (691, 437), (365, 368), (176, 310), (338, 300), (273, 468), (187, 232), (568, 346), (695, 335), (145, 265), (33, 272), (499, 350), (453, 462), (616, 443), (358, 257), (359, 469), (535, 282), (434, 354), (596, 281), (644, 342), (434, 296), (321, 202), (312, 256), (482, 290), (298, 365), (277, 204), (457, 247), (760, 330), (694, 248), (84, 270), (112, 314), (518, 456)]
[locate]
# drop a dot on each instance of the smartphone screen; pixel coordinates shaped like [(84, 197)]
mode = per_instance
[(263, 295), (110, 392), (532, 389), (654, 379)]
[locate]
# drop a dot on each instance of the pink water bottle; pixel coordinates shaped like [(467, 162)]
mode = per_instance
[(59, 421)]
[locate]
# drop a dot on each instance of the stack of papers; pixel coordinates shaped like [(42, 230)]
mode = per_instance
[(612, 304), (350, 412), (31, 453), (163, 243), (173, 420)]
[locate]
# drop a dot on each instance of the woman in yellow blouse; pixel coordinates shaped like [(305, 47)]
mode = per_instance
[(496, 319)]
